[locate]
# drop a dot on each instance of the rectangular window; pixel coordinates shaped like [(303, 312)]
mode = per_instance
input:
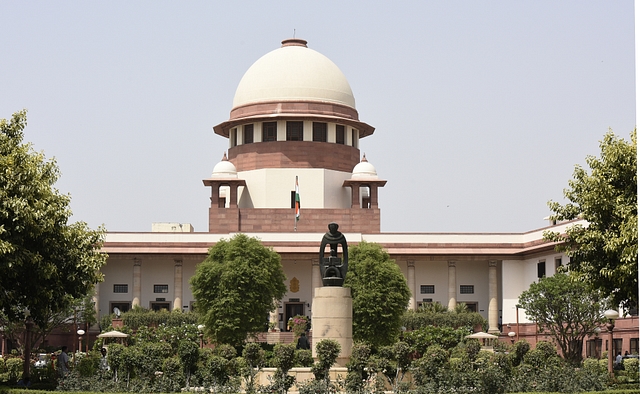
[(269, 131), (294, 131), (247, 136), (617, 346), (319, 132), (234, 137), (594, 348), (633, 346), (542, 269), (558, 263), (120, 288), (160, 288), (339, 134), (466, 289), (427, 289)]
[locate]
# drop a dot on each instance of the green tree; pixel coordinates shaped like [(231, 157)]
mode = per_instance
[(380, 294), (45, 262), (604, 251), (566, 308), (236, 287)]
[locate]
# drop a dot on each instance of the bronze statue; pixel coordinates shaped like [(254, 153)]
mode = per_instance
[(333, 269)]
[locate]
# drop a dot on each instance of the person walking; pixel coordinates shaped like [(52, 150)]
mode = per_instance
[(63, 362)]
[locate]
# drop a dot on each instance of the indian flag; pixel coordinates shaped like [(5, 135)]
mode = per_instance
[(297, 200)]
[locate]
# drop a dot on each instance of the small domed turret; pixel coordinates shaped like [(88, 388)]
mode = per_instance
[(224, 169), (364, 169)]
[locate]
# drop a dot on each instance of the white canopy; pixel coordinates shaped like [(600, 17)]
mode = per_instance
[(481, 335), (113, 334)]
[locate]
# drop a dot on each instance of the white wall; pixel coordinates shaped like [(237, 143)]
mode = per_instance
[(271, 188), (518, 275)]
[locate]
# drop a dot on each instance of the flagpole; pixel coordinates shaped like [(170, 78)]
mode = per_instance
[(296, 207)]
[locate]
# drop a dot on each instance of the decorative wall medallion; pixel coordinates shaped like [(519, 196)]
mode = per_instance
[(294, 285)]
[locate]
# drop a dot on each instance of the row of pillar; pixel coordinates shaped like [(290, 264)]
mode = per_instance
[(316, 281), (453, 291), (137, 286)]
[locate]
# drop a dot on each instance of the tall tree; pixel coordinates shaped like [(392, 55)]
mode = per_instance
[(236, 287), (565, 307), (45, 261), (380, 294), (604, 251)]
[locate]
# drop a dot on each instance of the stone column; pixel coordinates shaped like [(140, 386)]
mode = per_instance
[(137, 282), (411, 282), (373, 192), (493, 297), (355, 196), (452, 286), (274, 317), (96, 300), (233, 196), (177, 285), (316, 280)]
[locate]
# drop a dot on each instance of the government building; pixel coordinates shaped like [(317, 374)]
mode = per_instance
[(294, 119)]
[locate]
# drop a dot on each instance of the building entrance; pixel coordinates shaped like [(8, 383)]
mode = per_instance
[(292, 309)]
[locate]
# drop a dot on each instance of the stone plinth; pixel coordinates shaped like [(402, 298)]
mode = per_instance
[(333, 319)]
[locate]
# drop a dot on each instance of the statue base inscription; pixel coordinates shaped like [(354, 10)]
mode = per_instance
[(333, 319)]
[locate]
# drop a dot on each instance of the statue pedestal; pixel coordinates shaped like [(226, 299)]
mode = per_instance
[(333, 319)]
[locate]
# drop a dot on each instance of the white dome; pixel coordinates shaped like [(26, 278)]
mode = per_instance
[(294, 73), (364, 169), (224, 169)]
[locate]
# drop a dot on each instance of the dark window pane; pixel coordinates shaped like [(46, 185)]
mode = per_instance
[(120, 288), (269, 131), (160, 288), (294, 131), (247, 137), (339, 134), (319, 132), (466, 289), (427, 289), (542, 269)]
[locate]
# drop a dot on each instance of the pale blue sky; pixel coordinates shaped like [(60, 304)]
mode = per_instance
[(481, 109)]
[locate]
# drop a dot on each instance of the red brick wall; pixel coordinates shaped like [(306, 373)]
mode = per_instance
[(225, 220), (294, 154)]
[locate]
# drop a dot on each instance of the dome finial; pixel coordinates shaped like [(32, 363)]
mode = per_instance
[(364, 158), (224, 156), (294, 42)]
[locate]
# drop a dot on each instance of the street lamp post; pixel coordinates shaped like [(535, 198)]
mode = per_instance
[(611, 316), (80, 334), (512, 336), (517, 322)]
